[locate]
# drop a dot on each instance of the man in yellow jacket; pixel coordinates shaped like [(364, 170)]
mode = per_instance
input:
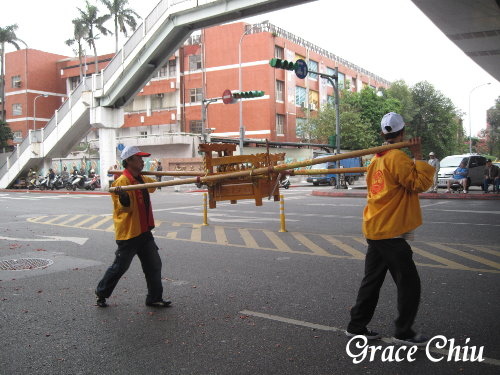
[(133, 219), (389, 218)]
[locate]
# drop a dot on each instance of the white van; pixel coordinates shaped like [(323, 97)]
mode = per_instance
[(475, 163)]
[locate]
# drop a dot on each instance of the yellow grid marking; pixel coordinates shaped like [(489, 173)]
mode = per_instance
[(485, 250), (220, 235), (91, 217), (344, 247), (247, 238), (100, 222), (446, 262), (463, 254), (310, 245), (55, 219), (65, 223), (172, 235), (195, 234), (36, 219), (278, 242)]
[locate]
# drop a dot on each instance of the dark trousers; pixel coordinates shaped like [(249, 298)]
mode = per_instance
[(394, 255), (147, 251)]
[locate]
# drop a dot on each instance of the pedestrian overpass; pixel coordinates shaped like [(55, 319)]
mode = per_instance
[(97, 102)]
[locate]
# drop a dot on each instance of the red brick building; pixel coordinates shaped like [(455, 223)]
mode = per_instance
[(206, 65)]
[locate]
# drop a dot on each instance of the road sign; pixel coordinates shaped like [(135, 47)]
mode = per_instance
[(301, 69), (227, 97)]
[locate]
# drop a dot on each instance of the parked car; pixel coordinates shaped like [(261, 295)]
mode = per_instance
[(331, 178), (475, 163)]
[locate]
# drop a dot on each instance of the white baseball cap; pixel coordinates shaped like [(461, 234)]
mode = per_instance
[(129, 151), (432, 153), (392, 122)]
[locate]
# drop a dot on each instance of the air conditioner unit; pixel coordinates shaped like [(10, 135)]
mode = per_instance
[(17, 83), (172, 85)]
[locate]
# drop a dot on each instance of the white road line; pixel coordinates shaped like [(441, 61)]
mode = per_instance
[(469, 211), (490, 361)]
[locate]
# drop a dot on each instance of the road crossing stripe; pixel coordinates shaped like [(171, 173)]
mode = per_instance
[(344, 247), (310, 245), (463, 254), (36, 219), (220, 235), (171, 235), (446, 262), (100, 222), (54, 219), (65, 223), (484, 250), (278, 242), (91, 217), (247, 238), (196, 234), (111, 228)]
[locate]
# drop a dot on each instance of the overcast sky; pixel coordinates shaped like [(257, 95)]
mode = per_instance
[(391, 38)]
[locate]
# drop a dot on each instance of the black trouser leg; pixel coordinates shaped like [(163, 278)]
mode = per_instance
[(368, 294), (151, 266), (123, 258)]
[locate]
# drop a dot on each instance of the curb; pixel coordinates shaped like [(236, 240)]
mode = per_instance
[(87, 192), (469, 196)]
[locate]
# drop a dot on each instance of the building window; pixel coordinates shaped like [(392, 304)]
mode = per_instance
[(330, 100), (194, 62), (300, 96), (195, 95), (313, 100), (73, 82), (157, 101), (143, 134), (354, 84), (18, 136), (330, 72), (279, 52), (341, 80), (280, 124), (195, 126), (280, 95), (313, 65), (16, 81), (17, 109), (301, 130), (172, 67), (163, 71)]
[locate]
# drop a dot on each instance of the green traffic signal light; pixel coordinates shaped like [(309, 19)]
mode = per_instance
[(282, 64), (248, 94)]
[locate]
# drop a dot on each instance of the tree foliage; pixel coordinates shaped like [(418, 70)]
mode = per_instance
[(7, 36), (5, 134), (492, 133), (122, 17)]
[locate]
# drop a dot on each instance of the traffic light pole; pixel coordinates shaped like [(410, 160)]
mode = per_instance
[(204, 107)]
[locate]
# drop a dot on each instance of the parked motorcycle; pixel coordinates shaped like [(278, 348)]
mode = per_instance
[(57, 183), (79, 182), (95, 182), (285, 182)]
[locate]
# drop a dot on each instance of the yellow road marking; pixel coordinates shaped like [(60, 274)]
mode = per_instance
[(36, 219), (310, 245), (55, 219), (484, 250), (100, 222), (65, 223), (448, 263), (247, 238), (195, 234), (278, 242), (344, 247), (111, 228), (91, 217), (220, 235), (172, 236), (463, 254)]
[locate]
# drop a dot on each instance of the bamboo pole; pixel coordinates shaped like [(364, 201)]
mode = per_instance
[(301, 172), (165, 173), (265, 170)]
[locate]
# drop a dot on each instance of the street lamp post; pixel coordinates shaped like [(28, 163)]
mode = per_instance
[(34, 108), (242, 128), (470, 117)]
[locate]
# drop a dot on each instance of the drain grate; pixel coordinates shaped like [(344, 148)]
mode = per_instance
[(24, 264)]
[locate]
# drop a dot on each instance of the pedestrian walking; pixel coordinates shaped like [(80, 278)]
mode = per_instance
[(133, 219), (159, 168), (389, 218), (434, 162)]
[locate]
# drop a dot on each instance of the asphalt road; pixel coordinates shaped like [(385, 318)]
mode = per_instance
[(247, 299)]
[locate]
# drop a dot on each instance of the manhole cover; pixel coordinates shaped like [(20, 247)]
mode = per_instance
[(24, 264)]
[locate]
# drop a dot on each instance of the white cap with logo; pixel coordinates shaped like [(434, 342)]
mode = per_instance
[(391, 123), (129, 151)]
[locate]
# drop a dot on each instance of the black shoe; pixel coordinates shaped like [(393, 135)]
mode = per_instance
[(417, 340), (160, 303), (370, 335), (101, 301)]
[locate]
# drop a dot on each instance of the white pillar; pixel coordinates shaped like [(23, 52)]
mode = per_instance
[(107, 152)]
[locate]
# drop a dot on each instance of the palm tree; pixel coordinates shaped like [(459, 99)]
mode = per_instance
[(7, 35), (92, 23), (79, 36), (121, 16)]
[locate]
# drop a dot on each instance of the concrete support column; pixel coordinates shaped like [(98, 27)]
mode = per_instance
[(107, 152)]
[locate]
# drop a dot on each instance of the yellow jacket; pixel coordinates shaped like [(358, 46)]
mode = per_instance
[(135, 219), (394, 181)]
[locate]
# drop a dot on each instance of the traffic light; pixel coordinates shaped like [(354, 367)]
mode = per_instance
[(282, 64), (247, 94)]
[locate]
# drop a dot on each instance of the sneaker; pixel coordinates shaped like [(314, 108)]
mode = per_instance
[(370, 335), (101, 301), (466, 191), (160, 303), (417, 340)]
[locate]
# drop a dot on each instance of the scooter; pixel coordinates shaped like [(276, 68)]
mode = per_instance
[(95, 182), (79, 182), (285, 183), (57, 183)]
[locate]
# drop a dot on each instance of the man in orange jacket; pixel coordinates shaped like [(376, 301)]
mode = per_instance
[(389, 218), (133, 219)]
